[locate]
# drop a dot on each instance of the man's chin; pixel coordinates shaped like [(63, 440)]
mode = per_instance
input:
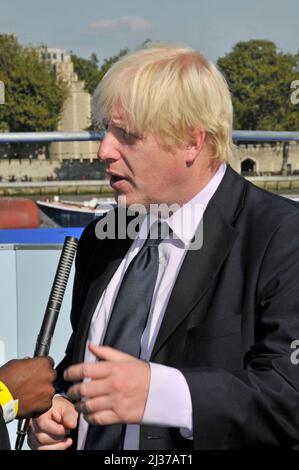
[(131, 202), (121, 200)]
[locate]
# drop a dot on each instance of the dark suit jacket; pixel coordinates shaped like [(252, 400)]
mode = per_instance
[(229, 324), (4, 439)]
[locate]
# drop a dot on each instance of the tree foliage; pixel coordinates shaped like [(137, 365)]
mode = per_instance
[(260, 77), (89, 70), (33, 98), (108, 62)]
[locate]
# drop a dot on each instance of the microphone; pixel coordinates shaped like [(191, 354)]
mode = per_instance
[(44, 337)]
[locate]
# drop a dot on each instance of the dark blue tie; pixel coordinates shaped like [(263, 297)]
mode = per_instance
[(127, 323)]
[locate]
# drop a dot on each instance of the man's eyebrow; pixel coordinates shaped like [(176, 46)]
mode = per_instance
[(121, 124), (114, 121), (118, 122)]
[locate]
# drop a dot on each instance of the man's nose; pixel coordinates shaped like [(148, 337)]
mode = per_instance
[(108, 149)]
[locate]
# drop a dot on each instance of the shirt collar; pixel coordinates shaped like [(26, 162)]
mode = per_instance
[(185, 220)]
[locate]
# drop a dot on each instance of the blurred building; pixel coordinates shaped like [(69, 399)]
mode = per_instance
[(76, 113), (58, 160)]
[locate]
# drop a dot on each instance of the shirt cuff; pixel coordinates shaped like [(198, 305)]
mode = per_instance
[(169, 400)]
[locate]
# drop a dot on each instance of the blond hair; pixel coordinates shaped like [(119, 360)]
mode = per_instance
[(172, 90)]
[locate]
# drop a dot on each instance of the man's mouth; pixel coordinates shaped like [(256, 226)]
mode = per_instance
[(115, 179)]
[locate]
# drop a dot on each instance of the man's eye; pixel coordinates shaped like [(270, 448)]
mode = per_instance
[(122, 132), (126, 135)]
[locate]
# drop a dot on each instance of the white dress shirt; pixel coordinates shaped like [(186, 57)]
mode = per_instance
[(169, 401)]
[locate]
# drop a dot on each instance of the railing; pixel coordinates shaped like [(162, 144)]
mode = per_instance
[(82, 136), (265, 136), (11, 137)]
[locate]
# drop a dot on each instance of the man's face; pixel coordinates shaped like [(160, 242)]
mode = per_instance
[(141, 171)]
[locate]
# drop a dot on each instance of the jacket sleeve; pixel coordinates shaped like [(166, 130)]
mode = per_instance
[(258, 406), (4, 439)]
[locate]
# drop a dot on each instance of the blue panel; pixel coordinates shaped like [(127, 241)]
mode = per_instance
[(8, 316), (8, 306), (39, 235), (26, 278), (35, 274)]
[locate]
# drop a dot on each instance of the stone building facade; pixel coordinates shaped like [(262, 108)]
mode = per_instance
[(266, 159), (75, 116), (58, 160), (80, 162)]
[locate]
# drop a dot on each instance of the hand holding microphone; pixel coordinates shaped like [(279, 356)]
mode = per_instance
[(48, 325), (30, 380)]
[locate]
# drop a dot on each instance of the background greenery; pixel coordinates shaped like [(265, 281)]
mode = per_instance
[(33, 97), (259, 76)]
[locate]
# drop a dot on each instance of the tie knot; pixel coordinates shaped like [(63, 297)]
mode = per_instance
[(157, 232)]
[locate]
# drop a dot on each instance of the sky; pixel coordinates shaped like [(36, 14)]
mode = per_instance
[(105, 27)]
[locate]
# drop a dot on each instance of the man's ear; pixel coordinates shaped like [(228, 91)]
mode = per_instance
[(195, 146)]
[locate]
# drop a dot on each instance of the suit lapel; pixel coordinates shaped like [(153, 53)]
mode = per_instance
[(98, 281), (201, 266), (197, 272)]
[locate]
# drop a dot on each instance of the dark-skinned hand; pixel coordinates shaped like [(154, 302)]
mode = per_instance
[(30, 381)]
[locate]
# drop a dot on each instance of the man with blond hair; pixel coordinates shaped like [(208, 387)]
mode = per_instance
[(184, 342)]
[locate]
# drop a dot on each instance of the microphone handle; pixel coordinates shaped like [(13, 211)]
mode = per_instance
[(45, 335)]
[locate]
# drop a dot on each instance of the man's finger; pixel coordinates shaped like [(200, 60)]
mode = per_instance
[(50, 426), (74, 393), (92, 370), (96, 370), (94, 405), (59, 446), (51, 360), (90, 389), (107, 353), (69, 418)]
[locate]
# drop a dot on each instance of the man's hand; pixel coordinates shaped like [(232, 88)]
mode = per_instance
[(117, 391), (31, 382), (50, 430)]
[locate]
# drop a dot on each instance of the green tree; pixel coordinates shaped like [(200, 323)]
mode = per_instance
[(89, 71), (259, 77), (33, 97), (108, 62)]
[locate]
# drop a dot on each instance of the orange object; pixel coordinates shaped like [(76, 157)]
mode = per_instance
[(18, 213)]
